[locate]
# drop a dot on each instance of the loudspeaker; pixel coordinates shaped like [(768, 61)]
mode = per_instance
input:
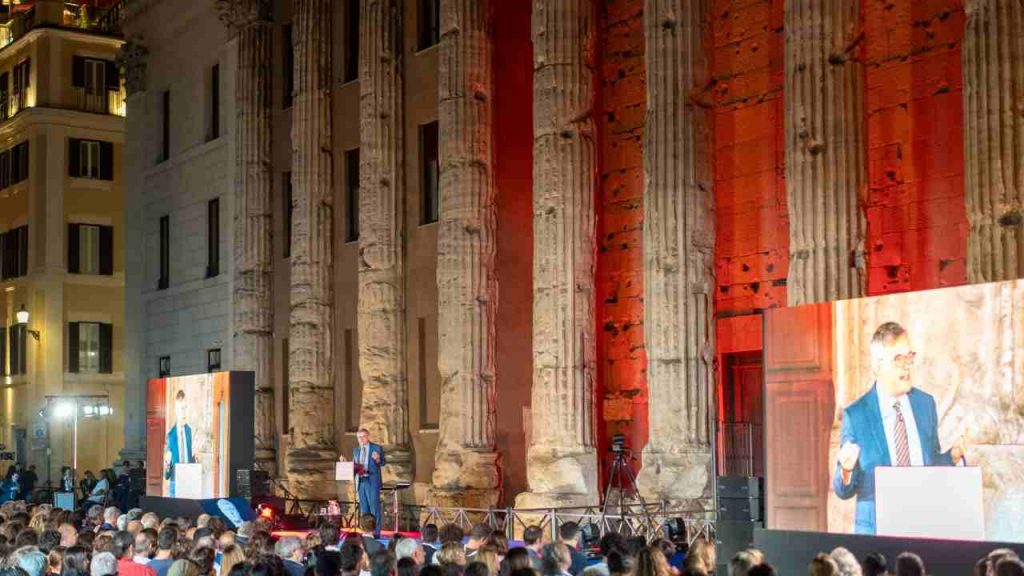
[(740, 509), (739, 487), (252, 483), (733, 536)]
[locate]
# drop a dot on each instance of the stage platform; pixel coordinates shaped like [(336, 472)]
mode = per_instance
[(790, 551)]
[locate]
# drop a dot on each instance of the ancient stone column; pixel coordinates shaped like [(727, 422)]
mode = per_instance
[(993, 132), (561, 458), (825, 169), (466, 461), (381, 310), (311, 450), (678, 243), (249, 21)]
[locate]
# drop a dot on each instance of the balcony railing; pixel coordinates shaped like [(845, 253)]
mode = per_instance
[(106, 102)]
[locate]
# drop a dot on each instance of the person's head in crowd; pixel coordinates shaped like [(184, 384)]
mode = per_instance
[(429, 533), (204, 557), (184, 567), (124, 542), (393, 542), (133, 526), (651, 562), (489, 556), (533, 537), (26, 537), (909, 564), (261, 544), (762, 569), (202, 521), (477, 569), (407, 567), (49, 540), (874, 564), (620, 562), (110, 516), (289, 548), (367, 524), (516, 558), (1010, 566), (410, 548), (499, 542), (705, 550), (525, 572), (231, 556), (103, 564), (555, 558), (245, 531), (76, 560), (741, 562), (203, 537), (822, 565), (269, 565), (150, 520), (846, 561), (451, 553), (55, 560), (312, 542), (86, 539), (134, 514), (993, 558), (569, 533), (103, 542), (668, 549), (383, 563), (431, 570), (225, 539), (166, 541), (68, 534), (351, 559), (31, 560), (478, 535), (145, 543), (451, 533)]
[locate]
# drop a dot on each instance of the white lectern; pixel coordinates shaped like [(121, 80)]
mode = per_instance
[(929, 502), (344, 471), (188, 481)]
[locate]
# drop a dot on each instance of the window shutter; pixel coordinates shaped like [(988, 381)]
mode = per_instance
[(106, 348), (113, 76), (5, 169), (107, 250), (106, 161), (27, 73), (3, 352), (73, 344), (74, 157), (22, 254), (78, 71), (12, 335), (74, 262)]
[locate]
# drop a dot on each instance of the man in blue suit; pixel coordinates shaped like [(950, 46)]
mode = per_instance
[(893, 424), (179, 441), (369, 459)]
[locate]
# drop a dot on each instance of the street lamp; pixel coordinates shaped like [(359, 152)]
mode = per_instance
[(65, 407), (22, 318)]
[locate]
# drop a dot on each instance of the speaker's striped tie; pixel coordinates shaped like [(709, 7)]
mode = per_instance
[(902, 446)]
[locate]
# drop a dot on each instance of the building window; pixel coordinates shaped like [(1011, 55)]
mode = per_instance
[(19, 163), (90, 249), (3, 351), (18, 350), (429, 23), (164, 367), (353, 391), (289, 210), (5, 96), (94, 78), (351, 71), (213, 238), (213, 130), (14, 253), (287, 66), (429, 393), (22, 72), (213, 360), (165, 126), (429, 172), (90, 159), (5, 169), (285, 423), (352, 195), (90, 348), (165, 253)]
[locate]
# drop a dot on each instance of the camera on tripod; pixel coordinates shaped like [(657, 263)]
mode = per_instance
[(619, 444)]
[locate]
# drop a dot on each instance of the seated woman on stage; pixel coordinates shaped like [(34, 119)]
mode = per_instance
[(102, 486)]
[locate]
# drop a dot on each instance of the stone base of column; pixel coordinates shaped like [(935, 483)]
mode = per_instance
[(560, 477), (311, 473), (266, 460), (132, 453), (466, 479), (680, 479), (400, 465)]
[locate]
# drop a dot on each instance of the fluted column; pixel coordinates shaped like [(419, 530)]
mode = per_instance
[(678, 243), (249, 21), (311, 449), (381, 310), (466, 461), (993, 69), (561, 458), (825, 169)]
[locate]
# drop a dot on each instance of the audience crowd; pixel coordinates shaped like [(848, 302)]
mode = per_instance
[(40, 540)]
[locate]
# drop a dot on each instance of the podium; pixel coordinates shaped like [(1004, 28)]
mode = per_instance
[(929, 502), (188, 481)]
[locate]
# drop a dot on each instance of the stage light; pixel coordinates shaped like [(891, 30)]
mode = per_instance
[(64, 410)]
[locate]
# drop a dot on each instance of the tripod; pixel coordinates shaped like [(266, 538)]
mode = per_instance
[(620, 467)]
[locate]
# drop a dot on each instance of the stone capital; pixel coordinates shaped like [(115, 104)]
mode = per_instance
[(131, 59), (240, 14)]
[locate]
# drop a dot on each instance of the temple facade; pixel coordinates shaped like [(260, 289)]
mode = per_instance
[(498, 233)]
